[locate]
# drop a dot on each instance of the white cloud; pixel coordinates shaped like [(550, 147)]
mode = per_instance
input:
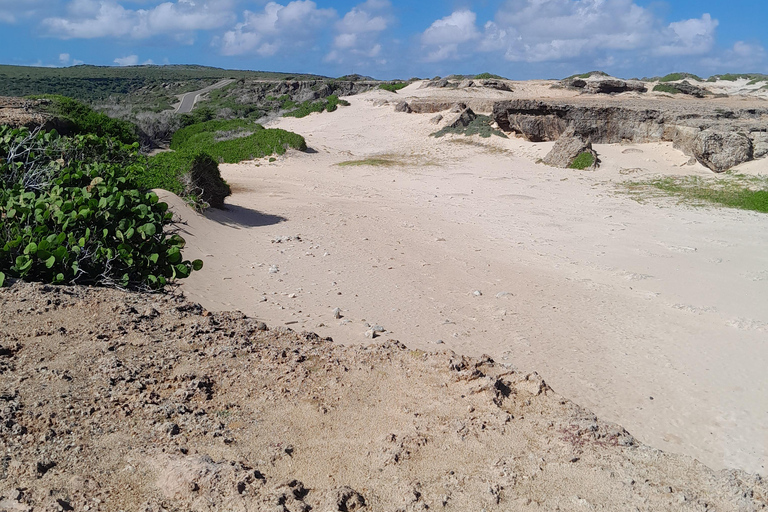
[(88, 19), (64, 59), (358, 33), (444, 37), (563, 30), (276, 27), (457, 28), (129, 60)]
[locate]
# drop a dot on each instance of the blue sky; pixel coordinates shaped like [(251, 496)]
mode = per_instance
[(394, 38)]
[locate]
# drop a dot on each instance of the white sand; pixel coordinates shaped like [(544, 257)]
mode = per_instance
[(612, 300)]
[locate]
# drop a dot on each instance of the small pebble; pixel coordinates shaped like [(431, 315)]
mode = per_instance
[(337, 313), (477, 293)]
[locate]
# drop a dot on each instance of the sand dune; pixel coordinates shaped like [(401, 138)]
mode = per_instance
[(652, 314)]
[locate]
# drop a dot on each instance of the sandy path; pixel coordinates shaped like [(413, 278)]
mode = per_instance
[(652, 315)]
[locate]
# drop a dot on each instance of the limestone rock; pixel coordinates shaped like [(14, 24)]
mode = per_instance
[(709, 132), (722, 150), (499, 85), (465, 117), (606, 85), (403, 107), (692, 90), (567, 148), (759, 144)]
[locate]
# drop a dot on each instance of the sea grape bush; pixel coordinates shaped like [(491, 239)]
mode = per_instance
[(87, 222)]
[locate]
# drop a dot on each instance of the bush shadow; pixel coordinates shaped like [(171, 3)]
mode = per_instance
[(239, 216)]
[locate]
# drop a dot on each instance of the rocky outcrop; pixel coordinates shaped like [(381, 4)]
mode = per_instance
[(718, 138), (403, 107), (722, 150), (691, 90), (567, 148), (606, 85), (462, 119)]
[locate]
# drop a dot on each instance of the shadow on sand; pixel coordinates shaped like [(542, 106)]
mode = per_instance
[(239, 216)]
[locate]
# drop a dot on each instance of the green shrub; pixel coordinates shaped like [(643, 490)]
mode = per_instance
[(85, 221), (394, 87), (675, 77), (668, 88), (487, 76), (245, 140), (85, 120), (583, 161), (205, 182), (327, 104)]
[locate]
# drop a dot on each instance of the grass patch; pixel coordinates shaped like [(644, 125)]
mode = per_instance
[(585, 160), (481, 126), (374, 162), (676, 77), (329, 104), (393, 87), (668, 88), (729, 190)]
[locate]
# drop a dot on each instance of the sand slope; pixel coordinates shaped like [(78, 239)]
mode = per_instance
[(651, 314)]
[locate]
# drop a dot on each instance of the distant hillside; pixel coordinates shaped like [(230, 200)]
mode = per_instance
[(97, 83)]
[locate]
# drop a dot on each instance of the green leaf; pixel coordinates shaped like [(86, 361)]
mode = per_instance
[(197, 265), (181, 271), (2, 279), (50, 262), (31, 249)]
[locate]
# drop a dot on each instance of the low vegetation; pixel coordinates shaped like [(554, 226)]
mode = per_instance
[(145, 84), (393, 87), (668, 88), (329, 104), (488, 76), (481, 126), (73, 214), (730, 190), (79, 118), (583, 161), (732, 77), (588, 75), (224, 141), (374, 162), (676, 77)]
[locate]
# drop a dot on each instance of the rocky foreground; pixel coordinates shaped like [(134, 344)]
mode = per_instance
[(117, 401)]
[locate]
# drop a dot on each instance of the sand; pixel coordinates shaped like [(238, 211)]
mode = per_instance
[(650, 313)]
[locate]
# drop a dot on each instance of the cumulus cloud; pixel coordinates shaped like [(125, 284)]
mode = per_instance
[(358, 32), (265, 33), (561, 30), (88, 19), (446, 34), (129, 60)]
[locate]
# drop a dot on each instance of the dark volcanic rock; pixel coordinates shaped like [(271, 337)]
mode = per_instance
[(710, 134)]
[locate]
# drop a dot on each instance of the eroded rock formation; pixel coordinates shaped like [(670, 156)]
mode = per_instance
[(719, 138)]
